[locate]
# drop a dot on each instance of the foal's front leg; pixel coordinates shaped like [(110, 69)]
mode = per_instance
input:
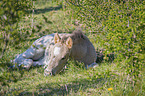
[(93, 65)]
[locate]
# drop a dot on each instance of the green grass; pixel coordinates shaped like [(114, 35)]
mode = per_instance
[(75, 79)]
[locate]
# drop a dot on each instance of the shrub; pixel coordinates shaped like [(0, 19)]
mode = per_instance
[(125, 34), (120, 28), (11, 11)]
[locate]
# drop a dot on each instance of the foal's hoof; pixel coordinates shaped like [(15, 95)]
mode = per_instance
[(93, 65)]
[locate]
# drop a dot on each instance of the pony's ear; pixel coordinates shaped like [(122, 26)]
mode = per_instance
[(69, 42), (56, 38)]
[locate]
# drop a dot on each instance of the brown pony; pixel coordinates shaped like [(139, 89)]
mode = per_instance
[(75, 45)]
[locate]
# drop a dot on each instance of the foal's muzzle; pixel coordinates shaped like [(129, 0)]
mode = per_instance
[(47, 72)]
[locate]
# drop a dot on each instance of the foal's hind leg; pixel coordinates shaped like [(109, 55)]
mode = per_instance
[(20, 61), (29, 53), (39, 62)]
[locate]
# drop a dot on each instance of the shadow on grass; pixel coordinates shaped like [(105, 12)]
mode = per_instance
[(38, 11), (65, 89), (100, 57)]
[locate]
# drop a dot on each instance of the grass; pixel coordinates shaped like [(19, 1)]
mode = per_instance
[(108, 79), (74, 80)]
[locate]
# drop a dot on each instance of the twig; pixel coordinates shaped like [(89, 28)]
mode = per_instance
[(66, 87)]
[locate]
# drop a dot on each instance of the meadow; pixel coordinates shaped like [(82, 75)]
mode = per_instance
[(108, 79)]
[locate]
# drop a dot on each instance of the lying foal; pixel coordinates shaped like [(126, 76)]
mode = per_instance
[(53, 51)]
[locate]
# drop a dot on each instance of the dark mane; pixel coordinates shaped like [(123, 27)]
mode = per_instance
[(77, 34)]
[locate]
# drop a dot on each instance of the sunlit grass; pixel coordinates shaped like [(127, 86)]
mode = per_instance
[(72, 81)]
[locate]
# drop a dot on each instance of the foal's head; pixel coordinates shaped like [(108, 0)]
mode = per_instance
[(59, 55)]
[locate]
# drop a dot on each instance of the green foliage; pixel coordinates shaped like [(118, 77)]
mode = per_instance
[(120, 28), (89, 12), (125, 35), (11, 11)]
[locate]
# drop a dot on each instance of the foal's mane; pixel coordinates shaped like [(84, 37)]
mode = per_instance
[(75, 35)]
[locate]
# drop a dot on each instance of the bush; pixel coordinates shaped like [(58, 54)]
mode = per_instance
[(120, 28), (125, 34), (11, 12)]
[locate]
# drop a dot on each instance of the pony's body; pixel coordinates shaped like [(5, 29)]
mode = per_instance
[(43, 51)]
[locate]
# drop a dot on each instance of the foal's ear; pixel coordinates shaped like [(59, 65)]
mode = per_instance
[(56, 38), (69, 42)]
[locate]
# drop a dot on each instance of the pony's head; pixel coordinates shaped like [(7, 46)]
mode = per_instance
[(59, 55)]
